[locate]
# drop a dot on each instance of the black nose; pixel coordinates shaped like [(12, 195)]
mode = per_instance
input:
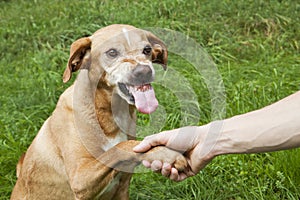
[(141, 74)]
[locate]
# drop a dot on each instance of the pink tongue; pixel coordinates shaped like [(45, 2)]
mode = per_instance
[(145, 102)]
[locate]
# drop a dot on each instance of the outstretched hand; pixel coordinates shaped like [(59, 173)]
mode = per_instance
[(186, 140)]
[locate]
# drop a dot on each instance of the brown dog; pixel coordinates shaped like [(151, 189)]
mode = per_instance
[(82, 151)]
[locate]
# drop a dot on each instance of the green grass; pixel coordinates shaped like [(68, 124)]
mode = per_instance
[(255, 45)]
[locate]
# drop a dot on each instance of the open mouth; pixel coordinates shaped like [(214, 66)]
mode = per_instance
[(142, 96)]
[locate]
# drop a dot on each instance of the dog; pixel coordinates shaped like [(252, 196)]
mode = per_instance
[(84, 149)]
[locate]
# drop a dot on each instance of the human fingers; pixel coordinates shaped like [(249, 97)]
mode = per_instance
[(179, 176), (146, 163), (142, 147), (156, 166), (166, 169), (149, 142), (174, 174)]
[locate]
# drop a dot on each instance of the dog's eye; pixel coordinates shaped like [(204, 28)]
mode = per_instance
[(112, 53), (147, 50)]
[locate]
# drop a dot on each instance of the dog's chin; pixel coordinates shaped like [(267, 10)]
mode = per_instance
[(142, 96)]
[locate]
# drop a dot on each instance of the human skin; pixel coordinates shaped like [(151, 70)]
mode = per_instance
[(272, 128)]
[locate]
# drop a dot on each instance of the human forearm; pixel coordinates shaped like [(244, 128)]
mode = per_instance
[(275, 127)]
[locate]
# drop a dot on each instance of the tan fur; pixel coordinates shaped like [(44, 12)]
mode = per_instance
[(74, 155)]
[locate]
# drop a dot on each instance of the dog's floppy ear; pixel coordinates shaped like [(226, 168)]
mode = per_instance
[(159, 50), (78, 52)]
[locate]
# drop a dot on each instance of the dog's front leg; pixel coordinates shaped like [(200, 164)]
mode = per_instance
[(99, 178), (92, 179)]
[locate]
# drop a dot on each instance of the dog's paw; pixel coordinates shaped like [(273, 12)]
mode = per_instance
[(167, 155), (180, 163)]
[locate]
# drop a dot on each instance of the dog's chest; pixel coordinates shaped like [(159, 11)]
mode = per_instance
[(114, 141), (111, 187)]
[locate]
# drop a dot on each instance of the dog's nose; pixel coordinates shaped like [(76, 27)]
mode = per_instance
[(142, 74)]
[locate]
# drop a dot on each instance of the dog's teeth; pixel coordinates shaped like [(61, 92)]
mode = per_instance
[(143, 88)]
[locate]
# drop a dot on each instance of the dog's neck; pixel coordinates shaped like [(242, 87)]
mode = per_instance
[(102, 106)]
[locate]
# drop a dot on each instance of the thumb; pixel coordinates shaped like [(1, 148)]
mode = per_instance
[(142, 147), (149, 142)]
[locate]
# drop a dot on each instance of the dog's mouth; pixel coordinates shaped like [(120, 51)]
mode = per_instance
[(142, 96)]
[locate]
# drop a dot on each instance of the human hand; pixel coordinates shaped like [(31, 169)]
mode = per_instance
[(188, 140)]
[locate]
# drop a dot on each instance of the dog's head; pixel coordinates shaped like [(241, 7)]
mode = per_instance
[(123, 55)]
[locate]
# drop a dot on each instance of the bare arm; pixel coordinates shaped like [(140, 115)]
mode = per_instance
[(272, 128)]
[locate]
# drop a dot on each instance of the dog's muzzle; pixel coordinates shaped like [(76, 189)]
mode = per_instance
[(139, 90)]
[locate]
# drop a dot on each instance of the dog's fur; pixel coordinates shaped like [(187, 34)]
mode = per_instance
[(82, 151)]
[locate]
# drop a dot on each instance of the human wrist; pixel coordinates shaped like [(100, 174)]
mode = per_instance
[(225, 138), (208, 139)]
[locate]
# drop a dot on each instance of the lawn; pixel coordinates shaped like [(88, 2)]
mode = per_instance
[(255, 46)]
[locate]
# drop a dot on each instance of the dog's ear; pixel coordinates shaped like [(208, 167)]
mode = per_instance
[(159, 50), (79, 53)]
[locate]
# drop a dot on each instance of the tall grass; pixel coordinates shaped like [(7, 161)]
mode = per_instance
[(255, 45)]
